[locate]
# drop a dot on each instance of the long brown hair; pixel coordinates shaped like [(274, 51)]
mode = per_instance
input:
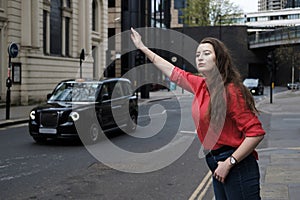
[(229, 74)]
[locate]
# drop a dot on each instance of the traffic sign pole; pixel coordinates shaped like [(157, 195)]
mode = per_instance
[(12, 52)]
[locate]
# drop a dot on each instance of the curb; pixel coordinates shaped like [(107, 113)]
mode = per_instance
[(12, 122), (259, 105)]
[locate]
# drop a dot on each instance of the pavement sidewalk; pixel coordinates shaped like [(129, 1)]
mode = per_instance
[(279, 158)]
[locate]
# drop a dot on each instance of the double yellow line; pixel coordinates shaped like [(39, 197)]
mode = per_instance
[(202, 188)]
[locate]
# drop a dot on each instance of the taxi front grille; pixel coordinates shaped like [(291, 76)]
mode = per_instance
[(49, 119)]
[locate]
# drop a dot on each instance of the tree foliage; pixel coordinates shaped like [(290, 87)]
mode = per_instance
[(196, 13), (287, 56), (210, 12)]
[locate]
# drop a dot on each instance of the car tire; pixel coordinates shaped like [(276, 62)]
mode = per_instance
[(132, 123), (93, 134)]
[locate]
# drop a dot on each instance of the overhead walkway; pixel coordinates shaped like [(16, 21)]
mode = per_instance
[(276, 37)]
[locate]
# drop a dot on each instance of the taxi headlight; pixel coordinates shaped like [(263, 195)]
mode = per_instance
[(74, 116), (32, 115)]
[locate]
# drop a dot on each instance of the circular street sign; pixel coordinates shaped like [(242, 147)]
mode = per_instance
[(13, 50)]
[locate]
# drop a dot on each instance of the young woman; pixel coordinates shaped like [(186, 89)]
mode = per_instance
[(231, 155)]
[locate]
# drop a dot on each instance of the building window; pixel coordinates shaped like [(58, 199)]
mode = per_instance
[(94, 16), (67, 37), (293, 16), (252, 19), (125, 5), (68, 3), (45, 14), (178, 4), (66, 27), (46, 27), (263, 19), (283, 17), (111, 3), (56, 28)]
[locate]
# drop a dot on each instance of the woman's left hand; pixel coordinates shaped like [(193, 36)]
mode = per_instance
[(222, 170)]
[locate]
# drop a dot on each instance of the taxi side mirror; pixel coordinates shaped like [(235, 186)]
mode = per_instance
[(48, 96)]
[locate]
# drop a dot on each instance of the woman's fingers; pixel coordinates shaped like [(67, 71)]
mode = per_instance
[(136, 38), (134, 34)]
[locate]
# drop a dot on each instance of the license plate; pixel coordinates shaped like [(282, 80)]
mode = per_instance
[(48, 130)]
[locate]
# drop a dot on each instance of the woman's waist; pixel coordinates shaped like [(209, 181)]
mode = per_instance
[(218, 151)]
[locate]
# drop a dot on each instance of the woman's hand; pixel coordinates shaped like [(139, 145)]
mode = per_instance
[(222, 170), (137, 39), (162, 64)]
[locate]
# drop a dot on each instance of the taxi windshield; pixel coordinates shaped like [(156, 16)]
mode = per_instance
[(251, 82), (76, 92)]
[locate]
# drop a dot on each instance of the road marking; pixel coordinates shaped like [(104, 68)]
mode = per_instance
[(204, 191), (202, 188), (277, 148), (291, 119), (153, 114), (189, 132)]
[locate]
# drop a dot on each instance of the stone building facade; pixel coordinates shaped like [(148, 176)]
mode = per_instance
[(50, 35)]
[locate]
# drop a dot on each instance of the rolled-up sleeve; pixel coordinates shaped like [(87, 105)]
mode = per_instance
[(186, 80), (246, 121)]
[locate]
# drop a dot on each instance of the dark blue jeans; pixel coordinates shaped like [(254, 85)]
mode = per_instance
[(241, 183)]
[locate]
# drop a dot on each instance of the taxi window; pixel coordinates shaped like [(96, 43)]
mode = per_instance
[(128, 91), (117, 91)]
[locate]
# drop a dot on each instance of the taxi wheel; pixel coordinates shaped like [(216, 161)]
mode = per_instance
[(132, 123), (94, 132)]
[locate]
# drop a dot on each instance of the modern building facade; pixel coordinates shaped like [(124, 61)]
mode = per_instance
[(264, 5), (51, 35), (273, 18)]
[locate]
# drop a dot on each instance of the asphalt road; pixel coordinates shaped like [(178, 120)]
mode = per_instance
[(66, 170)]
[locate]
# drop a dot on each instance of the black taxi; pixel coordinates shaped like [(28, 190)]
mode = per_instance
[(85, 109)]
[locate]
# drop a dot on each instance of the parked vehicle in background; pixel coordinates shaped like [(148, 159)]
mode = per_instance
[(89, 107), (255, 86), (294, 86)]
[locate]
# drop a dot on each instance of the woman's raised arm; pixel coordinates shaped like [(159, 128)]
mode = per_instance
[(162, 64)]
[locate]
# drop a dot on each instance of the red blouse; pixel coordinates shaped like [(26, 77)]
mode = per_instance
[(239, 123)]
